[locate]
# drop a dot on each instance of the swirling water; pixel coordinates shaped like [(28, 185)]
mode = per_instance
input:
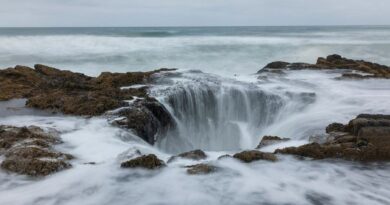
[(221, 109)]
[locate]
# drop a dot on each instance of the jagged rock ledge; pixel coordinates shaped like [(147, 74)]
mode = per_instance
[(365, 138), (331, 62), (72, 93)]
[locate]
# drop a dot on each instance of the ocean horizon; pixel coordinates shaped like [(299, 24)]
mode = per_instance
[(221, 50)]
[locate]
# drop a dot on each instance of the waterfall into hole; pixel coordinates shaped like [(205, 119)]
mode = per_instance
[(216, 114)]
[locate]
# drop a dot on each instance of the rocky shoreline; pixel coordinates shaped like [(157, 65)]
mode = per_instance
[(365, 138), (357, 69), (71, 93), (30, 150), (50, 88)]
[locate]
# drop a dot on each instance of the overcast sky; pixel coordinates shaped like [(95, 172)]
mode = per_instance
[(193, 12)]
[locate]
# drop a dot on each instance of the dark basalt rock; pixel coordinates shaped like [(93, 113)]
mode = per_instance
[(277, 65), (145, 161), (194, 155), (201, 169), (371, 70), (366, 138), (142, 121), (270, 140), (148, 118), (28, 150), (254, 155)]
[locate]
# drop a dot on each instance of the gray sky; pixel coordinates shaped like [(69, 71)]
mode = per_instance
[(193, 12)]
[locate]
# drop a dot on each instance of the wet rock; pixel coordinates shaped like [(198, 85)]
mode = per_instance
[(142, 122), (200, 169), (354, 76), (370, 70), (300, 66), (335, 127), (378, 136), (277, 65), (365, 138), (354, 126), (18, 82), (34, 166), (374, 116), (193, 155), (11, 136), (270, 140), (36, 152), (89, 103), (145, 161), (254, 155), (148, 118), (159, 112), (313, 150), (28, 150), (71, 93), (67, 92)]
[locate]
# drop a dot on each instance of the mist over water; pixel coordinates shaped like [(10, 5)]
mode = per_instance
[(215, 110)]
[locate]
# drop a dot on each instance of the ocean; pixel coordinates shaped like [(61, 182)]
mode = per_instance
[(220, 106), (220, 50)]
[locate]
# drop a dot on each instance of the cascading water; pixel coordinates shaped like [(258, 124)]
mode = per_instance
[(218, 114)]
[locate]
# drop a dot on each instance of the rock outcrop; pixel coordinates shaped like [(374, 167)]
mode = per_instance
[(254, 155), (270, 140), (147, 117), (193, 155), (365, 138), (29, 151), (77, 94), (68, 92), (201, 169), (145, 161), (366, 69)]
